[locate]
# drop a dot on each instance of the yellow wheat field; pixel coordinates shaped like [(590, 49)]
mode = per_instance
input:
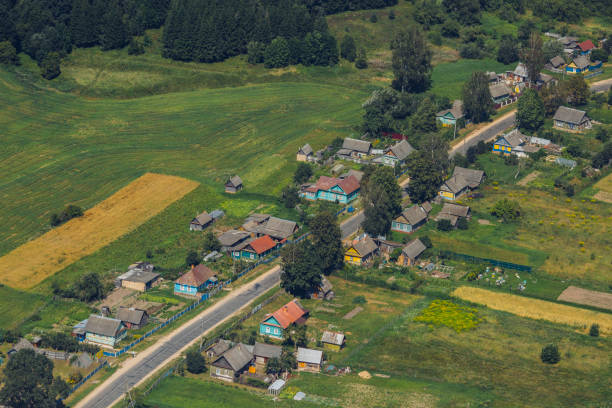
[(536, 309), (128, 208)]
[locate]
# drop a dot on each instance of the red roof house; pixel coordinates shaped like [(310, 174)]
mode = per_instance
[(273, 324), (586, 46), (333, 189), (259, 247)]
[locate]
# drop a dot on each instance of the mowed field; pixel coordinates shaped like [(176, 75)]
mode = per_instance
[(605, 189), (536, 309), (60, 149), (131, 206)]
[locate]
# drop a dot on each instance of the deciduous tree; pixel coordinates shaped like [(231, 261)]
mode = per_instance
[(411, 61), (348, 51), (530, 111), (326, 238), (8, 54), (477, 102), (577, 90), (277, 53), (533, 57), (302, 173), (301, 270), (382, 201), (508, 52), (196, 363)]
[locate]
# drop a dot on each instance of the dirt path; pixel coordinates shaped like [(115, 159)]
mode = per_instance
[(530, 177)]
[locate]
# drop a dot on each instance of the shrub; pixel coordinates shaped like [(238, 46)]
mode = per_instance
[(391, 15), (359, 300), (257, 383), (426, 241), (462, 223), (395, 254), (192, 259), (50, 66), (373, 18), (444, 225), (8, 54), (508, 210), (470, 51), (550, 354), (450, 29), (68, 213), (195, 362), (594, 330), (361, 62), (135, 47)]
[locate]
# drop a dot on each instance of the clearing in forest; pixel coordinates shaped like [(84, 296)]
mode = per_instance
[(536, 309), (130, 207)]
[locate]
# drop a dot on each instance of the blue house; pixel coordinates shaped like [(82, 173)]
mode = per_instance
[(275, 324), (398, 153), (104, 330), (195, 280), (579, 65), (332, 189), (509, 142), (449, 117), (256, 249), (411, 218)]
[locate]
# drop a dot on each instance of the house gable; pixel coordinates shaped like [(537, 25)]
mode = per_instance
[(352, 252), (222, 362), (271, 321), (336, 189)]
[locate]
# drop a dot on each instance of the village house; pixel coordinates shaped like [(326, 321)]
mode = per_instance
[(354, 149), (133, 318), (200, 222), (230, 240), (361, 252), (305, 153), (461, 181), (500, 92), (218, 348), (557, 63), (571, 119), (397, 154), (104, 331), (195, 280), (309, 360), (449, 117), (519, 74), (229, 365), (582, 64), (256, 249), (332, 340), (332, 189), (259, 225), (275, 324), (453, 212), (586, 47), (570, 44), (140, 277), (411, 218), (263, 352), (233, 185), (411, 252), (516, 143)]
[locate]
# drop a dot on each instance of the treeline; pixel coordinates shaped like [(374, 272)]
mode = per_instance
[(338, 6)]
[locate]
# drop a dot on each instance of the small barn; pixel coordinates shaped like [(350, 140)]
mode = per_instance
[(305, 153), (133, 318), (200, 222), (139, 280), (411, 252), (231, 239), (453, 212), (233, 185), (263, 352), (309, 359), (332, 340)]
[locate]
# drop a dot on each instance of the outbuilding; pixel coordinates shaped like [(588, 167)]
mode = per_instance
[(309, 359), (233, 185), (332, 340)]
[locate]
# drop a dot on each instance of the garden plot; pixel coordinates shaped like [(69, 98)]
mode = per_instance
[(581, 296)]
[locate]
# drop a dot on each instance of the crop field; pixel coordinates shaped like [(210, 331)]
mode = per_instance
[(537, 309), (581, 296), (605, 189), (122, 212)]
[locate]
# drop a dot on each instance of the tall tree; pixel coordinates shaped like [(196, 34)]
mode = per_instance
[(301, 270), (530, 111), (382, 201), (553, 96), (28, 381), (411, 61), (113, 33), (508, 51), (83, 23), (424, 120), (277, 53), (477, 101), (425, 179), (326, 238), (8, 54), (467, 12), (533, 57), (348, 50), (577, 90)]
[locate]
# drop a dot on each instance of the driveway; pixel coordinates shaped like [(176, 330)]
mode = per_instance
[(601, 86), (484, 134), (149, 361)]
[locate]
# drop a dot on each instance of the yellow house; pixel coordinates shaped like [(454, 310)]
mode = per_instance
[(361, 252)]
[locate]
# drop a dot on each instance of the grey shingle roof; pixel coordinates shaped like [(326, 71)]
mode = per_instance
[(361, 146), (414, 214), (235, 181), (130, 315), (520, 70), (277, 228), (456, 184), (104, 326), (557, 61), (498, 90), (231, 237), (136, 275), (414, 248), (569, 115), (582, 62), (237, 357), (402, 149), (267, 350), (309, 356), (455, 209), (332, 338), (202, 219), (366, 246), (473, 177), (219, 347), (306, 149)]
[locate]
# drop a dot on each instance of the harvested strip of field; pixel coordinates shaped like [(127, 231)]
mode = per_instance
[(353, 313), (530, 177), (581, 296), (128, 208), (536, 309), (605, 189), (604, 196)]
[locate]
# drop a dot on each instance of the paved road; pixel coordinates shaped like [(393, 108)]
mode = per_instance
[(490, 132), (601, 86), (113, 389), (351, 225)]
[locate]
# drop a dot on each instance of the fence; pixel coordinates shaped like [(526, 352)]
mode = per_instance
[(209, 343), (495, 262), (203, 298), (87, 377)]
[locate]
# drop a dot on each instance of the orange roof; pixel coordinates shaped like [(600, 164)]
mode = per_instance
[(586, 45), (197, 276), (262, 244), (288, 314)]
